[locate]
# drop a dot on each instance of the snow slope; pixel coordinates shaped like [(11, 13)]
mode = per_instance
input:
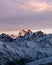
[(29, 49)]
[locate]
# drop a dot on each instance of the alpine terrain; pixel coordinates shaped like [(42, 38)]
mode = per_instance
[(28, 48)]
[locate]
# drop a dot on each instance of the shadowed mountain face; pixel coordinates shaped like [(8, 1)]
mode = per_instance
[(27, 49)]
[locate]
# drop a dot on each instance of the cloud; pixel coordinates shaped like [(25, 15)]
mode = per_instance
[(40, 6), (34, 6), (26, 13), (17, 7)]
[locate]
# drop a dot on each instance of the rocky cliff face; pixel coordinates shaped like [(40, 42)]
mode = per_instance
[(28, 49)]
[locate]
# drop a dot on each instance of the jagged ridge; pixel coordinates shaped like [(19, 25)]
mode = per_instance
[(27, 49)]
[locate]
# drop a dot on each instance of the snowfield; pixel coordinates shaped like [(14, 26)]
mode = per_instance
[(28, 49)]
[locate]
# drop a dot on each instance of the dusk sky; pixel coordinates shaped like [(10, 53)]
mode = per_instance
[(25, 14)]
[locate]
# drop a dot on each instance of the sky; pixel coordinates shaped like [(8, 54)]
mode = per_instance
[(16, 15)]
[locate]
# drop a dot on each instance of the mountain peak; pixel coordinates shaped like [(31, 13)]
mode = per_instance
[(23, 32)]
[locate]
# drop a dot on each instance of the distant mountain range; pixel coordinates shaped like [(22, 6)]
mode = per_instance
[(29, 48)]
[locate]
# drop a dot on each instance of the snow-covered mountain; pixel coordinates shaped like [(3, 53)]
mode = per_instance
[(27, 49)]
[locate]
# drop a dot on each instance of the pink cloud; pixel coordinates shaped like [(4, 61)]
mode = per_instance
[(36, 6), (16, 7)]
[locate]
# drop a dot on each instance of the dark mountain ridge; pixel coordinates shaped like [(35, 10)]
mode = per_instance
[(28, 48)]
